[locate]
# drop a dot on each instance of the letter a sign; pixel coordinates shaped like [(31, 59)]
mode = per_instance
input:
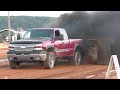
[(113, 60)]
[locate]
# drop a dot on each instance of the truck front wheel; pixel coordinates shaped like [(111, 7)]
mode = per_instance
[(14, 65), (76, 60), (49, 63)]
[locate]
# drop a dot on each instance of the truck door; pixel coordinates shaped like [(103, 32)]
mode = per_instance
[(67, 47), (59, 45), (66, 42)]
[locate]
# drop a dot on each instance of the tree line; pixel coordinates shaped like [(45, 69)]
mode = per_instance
[(26, 22)]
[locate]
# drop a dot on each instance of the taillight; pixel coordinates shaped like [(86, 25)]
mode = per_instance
[(38, 47)]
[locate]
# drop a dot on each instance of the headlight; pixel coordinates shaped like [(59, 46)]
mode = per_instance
[(38, 47), (11, 47)]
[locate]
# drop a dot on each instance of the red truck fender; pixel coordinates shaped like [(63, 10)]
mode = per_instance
[(78, 47), (50, 47)]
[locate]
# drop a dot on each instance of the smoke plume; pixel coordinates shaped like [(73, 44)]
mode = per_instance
[(97, 25)]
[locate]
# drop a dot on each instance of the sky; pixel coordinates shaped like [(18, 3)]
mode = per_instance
[(34, 13)]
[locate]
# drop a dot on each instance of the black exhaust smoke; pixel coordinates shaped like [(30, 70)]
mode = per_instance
[(101, 25)]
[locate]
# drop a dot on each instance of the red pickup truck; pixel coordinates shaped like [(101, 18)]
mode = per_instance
[(44, 45)]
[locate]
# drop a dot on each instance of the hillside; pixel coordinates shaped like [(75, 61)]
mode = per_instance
[(26, 22)]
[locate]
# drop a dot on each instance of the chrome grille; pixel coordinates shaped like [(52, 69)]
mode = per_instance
[(24, 47)]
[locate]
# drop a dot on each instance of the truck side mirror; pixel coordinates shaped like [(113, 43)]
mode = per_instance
[(18, 36)]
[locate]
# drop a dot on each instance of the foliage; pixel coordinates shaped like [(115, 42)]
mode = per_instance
[(26, 22)]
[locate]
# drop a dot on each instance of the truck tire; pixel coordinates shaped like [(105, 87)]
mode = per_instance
[(49, 63), (14, 65), (76, 60), (92, 55)]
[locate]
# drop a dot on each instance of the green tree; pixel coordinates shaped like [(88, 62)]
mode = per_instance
[(26, 22)]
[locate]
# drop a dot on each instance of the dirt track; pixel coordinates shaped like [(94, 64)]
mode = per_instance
[(63, 70)]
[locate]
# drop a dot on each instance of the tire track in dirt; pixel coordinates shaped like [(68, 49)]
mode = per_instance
[(79, 73), (61, 71)]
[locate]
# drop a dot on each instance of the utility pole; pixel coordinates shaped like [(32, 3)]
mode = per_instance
[(9, 27)]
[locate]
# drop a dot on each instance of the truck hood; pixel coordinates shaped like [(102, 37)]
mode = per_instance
[(29, 41)]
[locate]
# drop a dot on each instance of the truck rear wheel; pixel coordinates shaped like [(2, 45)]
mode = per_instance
[(76, 60), (92, 55), (49, 63), (14, 65)]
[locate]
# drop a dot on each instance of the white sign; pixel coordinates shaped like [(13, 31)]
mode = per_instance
[(114, 60)]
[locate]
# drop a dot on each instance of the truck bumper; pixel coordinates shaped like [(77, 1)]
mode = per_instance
[(41, 56)]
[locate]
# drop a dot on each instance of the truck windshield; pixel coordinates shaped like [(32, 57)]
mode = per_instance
[(45, 34)]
